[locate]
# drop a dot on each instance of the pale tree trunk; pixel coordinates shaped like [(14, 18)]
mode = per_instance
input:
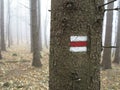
[(17, 22), (21, 34), (117, 52), (45, 30), (35, 34), (71, 70), (39, 24), (3, 46), (45, 26), (106, 62), (8, 30), (26, 28), (0, 32), (31, 40), (0, 50)]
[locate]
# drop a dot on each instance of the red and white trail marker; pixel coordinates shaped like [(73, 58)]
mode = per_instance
[(78, 43)]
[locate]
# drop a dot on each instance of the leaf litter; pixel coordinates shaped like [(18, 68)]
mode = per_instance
[(16, 72)]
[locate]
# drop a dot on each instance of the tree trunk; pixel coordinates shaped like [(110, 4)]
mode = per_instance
[(0, 55), (45, 27), (106, 62), (35, 34), (9, 21), (31, 40), (0, 24), (45, 30), (3, 46), (75, 69), (117, 52), (17, 22), (39, 25), (0, 32)]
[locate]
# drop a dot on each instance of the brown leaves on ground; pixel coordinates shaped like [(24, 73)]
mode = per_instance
[(110, 79), (16, 72)]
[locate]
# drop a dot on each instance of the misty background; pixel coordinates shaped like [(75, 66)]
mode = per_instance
[(19, 11)]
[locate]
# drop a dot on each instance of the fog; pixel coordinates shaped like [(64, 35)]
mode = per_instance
[(20, 21)]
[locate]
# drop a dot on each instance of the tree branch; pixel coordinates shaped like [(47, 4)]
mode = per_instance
[(112, 9), (107, 3)]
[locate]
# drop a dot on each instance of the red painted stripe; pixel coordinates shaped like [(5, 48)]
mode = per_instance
[(78, 44)]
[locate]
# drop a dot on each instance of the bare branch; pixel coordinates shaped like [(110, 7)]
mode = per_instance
[(24, 5), (107, 3), (110, 46), (112, 9)]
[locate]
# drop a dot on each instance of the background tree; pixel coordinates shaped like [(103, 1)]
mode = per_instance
[(39, 23), (0, 24), (3, 46), (117, 52), (106, 62), (75, 70), (35, 34), (0, 55), (9, 37)]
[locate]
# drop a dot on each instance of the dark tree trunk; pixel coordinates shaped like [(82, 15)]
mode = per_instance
[(35, 34), (106, 62), (3, 46), (75, 70)]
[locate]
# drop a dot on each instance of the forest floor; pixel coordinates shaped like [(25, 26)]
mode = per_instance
[(110, 79), (16, 72)]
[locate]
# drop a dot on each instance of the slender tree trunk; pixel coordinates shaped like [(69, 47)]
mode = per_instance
[(0, 32), (45, 26), (17, 22), (35, 34), (71, 67), (117, 52), (45, 30), (8, 30), (106, 62), (0, 55), (31, 40), (3, 46), (39, 25)]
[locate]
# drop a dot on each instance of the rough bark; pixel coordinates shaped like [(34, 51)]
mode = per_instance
[(70, 70), (35, 34), (106, 62)]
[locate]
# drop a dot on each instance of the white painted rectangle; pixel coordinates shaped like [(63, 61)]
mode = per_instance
[(78, 49), (78, 43), (78, 38)]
